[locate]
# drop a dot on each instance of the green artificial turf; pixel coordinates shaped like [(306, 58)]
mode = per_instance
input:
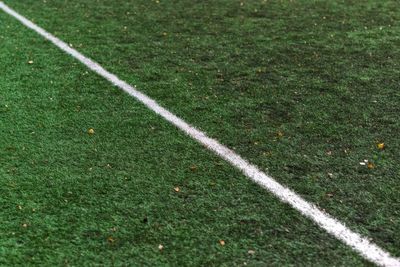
[(75, 199), (303, 89)]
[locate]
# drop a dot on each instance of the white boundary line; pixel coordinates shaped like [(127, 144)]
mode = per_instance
[(360, 244)]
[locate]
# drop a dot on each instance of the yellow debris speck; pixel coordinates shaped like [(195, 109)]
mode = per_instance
[(381, 146), (370, 165)]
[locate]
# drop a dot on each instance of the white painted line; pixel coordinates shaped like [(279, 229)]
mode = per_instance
[(360, 244)]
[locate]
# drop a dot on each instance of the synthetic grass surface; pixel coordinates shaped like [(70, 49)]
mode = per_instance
[(73, 199), (303, 89)]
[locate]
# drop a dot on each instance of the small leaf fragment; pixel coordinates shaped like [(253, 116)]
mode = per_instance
[(251, 252), (370, 165), (193, 168), (380, 146)]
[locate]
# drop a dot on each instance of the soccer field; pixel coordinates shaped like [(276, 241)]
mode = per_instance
[(307, 91)]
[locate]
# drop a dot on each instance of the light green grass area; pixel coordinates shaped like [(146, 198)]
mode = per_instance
[(303, 89)]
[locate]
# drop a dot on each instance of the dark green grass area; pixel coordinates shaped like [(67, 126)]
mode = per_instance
[(303, 89), (69, 198)]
